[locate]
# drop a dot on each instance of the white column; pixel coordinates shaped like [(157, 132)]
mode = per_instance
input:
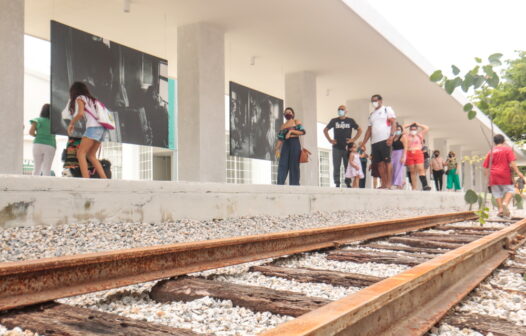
[(441, 145), (359, 110), (468, 171), (479, 177), (12, 85), (201, 103), (300, 94)]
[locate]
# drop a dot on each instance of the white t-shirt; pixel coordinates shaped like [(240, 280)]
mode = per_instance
[(88, 105), (380, 125)]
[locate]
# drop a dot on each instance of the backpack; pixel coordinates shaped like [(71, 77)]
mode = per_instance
[(103, 116)]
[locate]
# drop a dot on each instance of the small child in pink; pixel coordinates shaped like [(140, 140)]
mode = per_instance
[(354, 168)]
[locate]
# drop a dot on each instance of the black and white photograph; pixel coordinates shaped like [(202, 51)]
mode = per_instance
[(133, 85), (255, 118)]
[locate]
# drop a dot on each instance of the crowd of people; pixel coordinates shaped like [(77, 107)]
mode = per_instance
[(399, 156)]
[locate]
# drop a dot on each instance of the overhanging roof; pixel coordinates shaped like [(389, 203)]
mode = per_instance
[(352, 50)]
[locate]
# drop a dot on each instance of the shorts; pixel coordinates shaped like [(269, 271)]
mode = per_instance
[(95, 133), (414, 157), (498, 191), (381, 152)]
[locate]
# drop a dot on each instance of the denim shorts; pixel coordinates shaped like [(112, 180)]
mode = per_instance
[(95, 133), (499, 191)]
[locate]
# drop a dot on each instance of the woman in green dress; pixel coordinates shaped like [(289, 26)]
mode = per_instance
[(453, 181)]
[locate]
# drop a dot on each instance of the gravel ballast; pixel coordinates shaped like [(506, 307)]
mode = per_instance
[(209, 315)]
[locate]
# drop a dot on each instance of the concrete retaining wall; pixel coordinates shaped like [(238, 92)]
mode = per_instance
[(28, 200)]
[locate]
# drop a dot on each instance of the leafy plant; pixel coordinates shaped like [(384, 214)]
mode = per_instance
[(481, 77)]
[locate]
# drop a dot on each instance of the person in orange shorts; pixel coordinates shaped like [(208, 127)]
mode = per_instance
[(415, 155)]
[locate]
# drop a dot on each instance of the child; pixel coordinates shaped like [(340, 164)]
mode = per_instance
[(354, 168)]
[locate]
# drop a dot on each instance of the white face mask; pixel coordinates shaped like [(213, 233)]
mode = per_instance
[(376, 104), (414, 132), (341, 113)]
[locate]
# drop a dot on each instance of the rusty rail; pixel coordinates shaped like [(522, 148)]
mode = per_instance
[(29, 282), (411, 302)]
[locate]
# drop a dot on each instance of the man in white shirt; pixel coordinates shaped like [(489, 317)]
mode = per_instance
[(381, 131)]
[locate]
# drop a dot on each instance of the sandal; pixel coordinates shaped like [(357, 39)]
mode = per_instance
[(500, 215), (506, 211)]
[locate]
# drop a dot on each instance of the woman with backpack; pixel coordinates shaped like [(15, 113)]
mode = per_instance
[(82, 105)]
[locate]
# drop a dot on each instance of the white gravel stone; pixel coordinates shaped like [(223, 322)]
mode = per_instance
[(319, 261), (448, 330), (22, 243), (16, 332), (325, 291), (205, 315), (501, 295)]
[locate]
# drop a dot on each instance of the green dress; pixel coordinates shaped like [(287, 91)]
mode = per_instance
[(452, 177)]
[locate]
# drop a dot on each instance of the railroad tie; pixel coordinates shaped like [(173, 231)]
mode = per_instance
[(64, 320), (418, 242), (485, 324), (333, 278), (255, 298), (365, 256), (388, 247)]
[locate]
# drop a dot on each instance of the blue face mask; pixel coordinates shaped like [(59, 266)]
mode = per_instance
[(341, 113), (398, 133)]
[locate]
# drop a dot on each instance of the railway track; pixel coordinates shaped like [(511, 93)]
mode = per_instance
[(442, 263)]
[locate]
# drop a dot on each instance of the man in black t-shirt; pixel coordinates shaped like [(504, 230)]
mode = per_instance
[(343, 127)]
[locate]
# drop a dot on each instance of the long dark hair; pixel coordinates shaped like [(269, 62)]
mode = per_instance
[(78, 89), (44, 113)]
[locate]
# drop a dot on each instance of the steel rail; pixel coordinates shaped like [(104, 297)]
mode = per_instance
[(29, 282), (411, 302)]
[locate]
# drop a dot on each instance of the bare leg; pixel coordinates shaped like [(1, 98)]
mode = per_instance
[(389, 175), (375, 182), (356, 182), (382, 170), (92, 157), (499, 204), (505, 203), (414, 177), (82, 152)]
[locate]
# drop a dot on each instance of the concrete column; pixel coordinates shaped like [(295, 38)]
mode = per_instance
[(479, 177), (300, 94), (201, 103), (468, 171), (459, 155), (359, 110), (11, 85), (441, 145)]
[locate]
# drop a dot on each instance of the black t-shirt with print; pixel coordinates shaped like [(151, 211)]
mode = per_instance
[(342, 130)]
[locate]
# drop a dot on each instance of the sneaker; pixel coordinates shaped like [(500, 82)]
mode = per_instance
[(427, 188), (337, 185)]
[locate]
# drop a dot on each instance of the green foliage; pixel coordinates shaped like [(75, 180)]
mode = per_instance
[(455, 70), (519, 201), (436, 76), (468, 107), (505, 100), (472, 114), (471, 197), (483, 215)]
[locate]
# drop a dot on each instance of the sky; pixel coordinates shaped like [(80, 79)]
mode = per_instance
[(449, 32)]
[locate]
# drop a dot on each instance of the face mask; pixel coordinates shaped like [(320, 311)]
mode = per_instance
[(376, 104), (398, 133), (414, 132), (288, 116), (341, 113)]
